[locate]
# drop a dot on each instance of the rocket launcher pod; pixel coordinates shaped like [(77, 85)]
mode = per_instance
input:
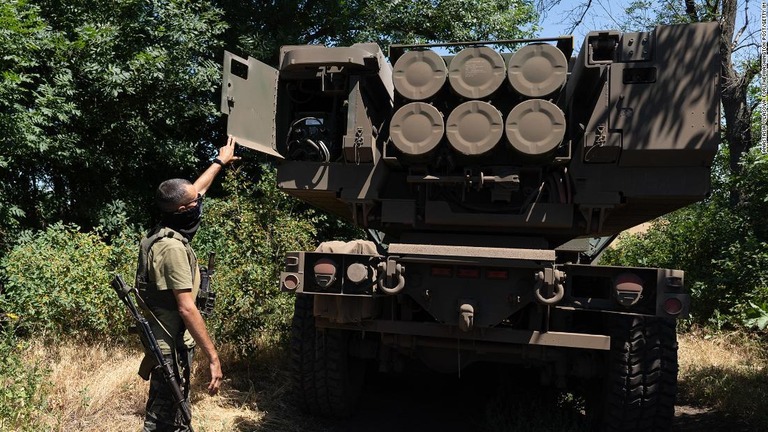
[(416, 128), (535, 128), (537, 70), (476, 72), (474, 128), (419, 75), (517, 143)]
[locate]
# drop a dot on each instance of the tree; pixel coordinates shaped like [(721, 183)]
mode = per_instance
[(101, 101), (23, 32), (258, 28)]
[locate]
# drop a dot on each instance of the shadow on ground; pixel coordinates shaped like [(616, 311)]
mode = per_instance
[(485, 399), (694, 419), (479, 401)]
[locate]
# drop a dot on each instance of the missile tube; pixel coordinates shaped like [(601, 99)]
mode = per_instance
[(419, 75)]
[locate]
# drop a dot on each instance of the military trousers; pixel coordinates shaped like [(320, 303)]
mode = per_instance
[(163, 414)]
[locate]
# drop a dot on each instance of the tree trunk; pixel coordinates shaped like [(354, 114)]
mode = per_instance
[(738, 132)]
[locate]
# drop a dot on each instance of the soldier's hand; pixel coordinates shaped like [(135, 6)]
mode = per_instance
[(227, 152), (216, 377)]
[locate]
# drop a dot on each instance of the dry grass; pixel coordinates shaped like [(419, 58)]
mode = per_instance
[(727, 372), (91, 387), (96, 388)]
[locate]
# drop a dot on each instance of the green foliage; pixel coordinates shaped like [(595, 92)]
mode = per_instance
[(426, 20), (22, 30), (57, 283), (645, 14), (250, 231), (756, 316), (257, 29), (722, 248), (23, 392), (57, 280), (101, 100)]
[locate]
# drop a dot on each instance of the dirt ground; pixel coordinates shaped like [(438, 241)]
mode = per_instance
[(692, 419)]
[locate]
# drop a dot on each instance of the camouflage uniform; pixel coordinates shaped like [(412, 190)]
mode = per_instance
[(166, 262), (162, 413)]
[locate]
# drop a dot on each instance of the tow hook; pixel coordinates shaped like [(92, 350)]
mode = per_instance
[(549, 288), (466, 317), (392, 280)]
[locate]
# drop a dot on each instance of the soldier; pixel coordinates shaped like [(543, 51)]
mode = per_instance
[(168, 280)]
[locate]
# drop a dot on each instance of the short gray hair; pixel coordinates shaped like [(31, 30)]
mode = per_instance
[(171, 193)]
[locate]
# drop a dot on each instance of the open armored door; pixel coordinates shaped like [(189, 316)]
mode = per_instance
[(249, 97)]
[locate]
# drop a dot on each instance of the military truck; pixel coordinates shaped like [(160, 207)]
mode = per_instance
[(488, 176)]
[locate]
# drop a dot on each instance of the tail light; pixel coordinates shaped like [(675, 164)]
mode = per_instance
[(325, 272), (673, 306), (468, 273), (438, 271), (497, 274), (628, 289)]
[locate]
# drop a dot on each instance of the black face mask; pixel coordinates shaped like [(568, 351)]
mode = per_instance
[(186, 222)]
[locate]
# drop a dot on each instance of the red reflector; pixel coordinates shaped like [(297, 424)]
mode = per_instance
[(442, 271), (472, 273), (291, 282), (497, 274), (673, 306)]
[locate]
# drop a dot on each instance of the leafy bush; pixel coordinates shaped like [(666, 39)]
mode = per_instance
[(250, 231), (57, 282), (22, 386)]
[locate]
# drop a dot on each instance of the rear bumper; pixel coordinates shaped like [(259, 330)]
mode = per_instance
[(426, 331)]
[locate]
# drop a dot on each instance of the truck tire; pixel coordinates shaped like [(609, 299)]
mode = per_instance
[(326, 380), (640, 386)]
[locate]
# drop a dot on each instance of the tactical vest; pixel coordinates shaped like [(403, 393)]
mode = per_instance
[(144, 284)]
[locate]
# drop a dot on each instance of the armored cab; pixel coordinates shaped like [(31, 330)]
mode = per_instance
[(489, 175)]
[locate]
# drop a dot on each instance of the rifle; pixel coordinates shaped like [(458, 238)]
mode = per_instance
[(206, 298), (123, 291)]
